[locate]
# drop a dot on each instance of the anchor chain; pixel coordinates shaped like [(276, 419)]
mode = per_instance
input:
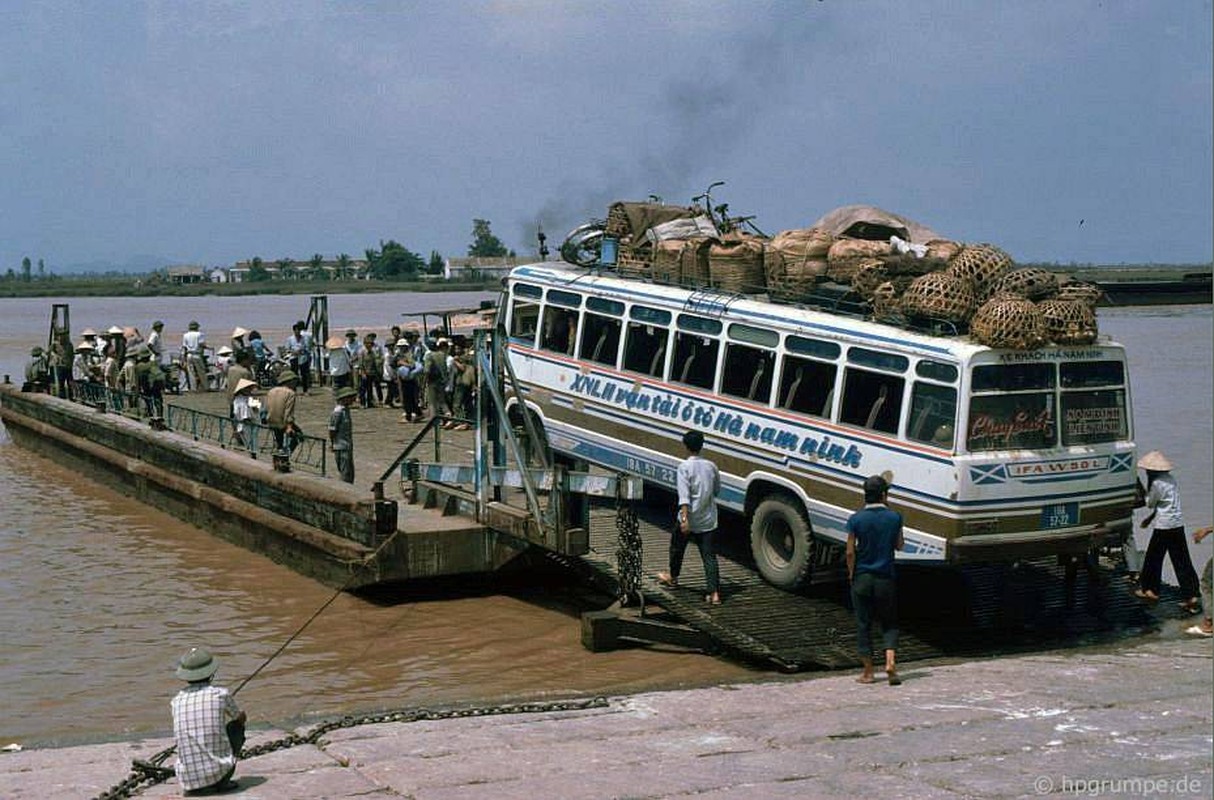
[(150, 772), (629, 551)]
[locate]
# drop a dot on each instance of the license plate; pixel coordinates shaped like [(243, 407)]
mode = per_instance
[(1060, 515)]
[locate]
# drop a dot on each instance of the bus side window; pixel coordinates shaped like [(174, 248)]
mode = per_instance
[(872, 400), (807, 386), (524, 320), (695, 360), (560, 328), (645, 349), (933, 414), (600, 339), (748, 372)]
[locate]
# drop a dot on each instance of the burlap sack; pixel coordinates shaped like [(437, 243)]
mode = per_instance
[(943, 249), (796, 246), (850, 249), (668, 262), (736, 264)]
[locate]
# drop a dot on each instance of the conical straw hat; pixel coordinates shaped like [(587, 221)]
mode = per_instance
[(1155, 461)]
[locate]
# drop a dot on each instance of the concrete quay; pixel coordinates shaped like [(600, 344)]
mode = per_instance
[(1129, 720)]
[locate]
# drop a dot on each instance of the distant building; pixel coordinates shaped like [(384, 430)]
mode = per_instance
[(218, 275), (473, 269), (330, 269), (186, 274)]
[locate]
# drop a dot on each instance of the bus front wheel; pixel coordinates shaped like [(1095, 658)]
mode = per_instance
[(782, 542)]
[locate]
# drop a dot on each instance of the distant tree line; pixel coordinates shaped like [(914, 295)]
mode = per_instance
[(390, 261)]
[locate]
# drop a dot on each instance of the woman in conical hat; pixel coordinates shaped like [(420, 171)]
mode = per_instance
[(1167, 538)]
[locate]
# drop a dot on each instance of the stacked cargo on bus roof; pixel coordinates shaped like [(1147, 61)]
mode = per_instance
[(859, 259)]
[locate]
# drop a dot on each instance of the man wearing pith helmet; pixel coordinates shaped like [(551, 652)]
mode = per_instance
[(208, 726)]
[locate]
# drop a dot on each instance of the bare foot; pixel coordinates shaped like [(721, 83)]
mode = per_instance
[(865, 678)]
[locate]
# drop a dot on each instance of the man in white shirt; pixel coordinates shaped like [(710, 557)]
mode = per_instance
[(699, 482), (193, 343), (208, 726)]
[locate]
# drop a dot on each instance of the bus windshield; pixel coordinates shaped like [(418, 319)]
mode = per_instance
[(1019, 406)]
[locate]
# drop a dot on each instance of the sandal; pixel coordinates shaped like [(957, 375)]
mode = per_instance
[(1146, 594), (666, 580), (1191, 606), (1198, 630), (894, 678)]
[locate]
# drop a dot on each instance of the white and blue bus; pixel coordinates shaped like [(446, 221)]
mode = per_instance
[(993, 454)]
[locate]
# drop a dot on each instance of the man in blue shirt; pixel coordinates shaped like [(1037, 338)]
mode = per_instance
[(873, 534)]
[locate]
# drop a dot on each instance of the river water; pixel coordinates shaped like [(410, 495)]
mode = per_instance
[(99, 594)]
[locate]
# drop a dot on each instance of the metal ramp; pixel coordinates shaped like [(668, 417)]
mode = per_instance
[(944, 612)]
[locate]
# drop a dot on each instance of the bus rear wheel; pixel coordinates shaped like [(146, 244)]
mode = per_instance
[(781, 541)]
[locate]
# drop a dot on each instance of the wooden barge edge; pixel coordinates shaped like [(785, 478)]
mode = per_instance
[(321, 528)]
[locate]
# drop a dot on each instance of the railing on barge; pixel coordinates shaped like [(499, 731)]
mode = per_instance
[(307, 453)]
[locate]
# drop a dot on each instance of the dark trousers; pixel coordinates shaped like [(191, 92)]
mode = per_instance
[(874, 597), (706, 542), (367, 385), (1170, 542), (304, 368), (345, 464), (408, 398)]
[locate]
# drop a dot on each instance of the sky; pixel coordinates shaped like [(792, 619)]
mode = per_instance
[(211, 132)]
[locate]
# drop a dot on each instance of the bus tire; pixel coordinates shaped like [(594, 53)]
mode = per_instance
[(781, 541)]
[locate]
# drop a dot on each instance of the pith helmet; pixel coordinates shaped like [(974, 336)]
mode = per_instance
[(36, 351), (1155, 461), (196, 665), (344, 392), (193, 325), (287, 376)]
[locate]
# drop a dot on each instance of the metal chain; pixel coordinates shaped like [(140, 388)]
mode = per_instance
[(629, 551), (151, 773)]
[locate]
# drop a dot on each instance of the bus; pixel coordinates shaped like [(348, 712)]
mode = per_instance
[(991, 454)]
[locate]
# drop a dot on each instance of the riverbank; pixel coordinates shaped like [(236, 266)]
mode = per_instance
[(1103, 721), (139, 286)]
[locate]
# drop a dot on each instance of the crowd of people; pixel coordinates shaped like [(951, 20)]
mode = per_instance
[(423, 376)]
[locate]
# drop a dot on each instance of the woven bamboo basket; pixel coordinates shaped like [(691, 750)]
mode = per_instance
[(983, 265), (1068, 321), (940, 295), (943, 249), (1087, 293), (868, 277), (886, 301), (851, 249), (617, 222), (797, 282), (844, 270), (668, 262), (695, 262), (736, 264), (1031, 283), (1009, 321), (634, 264)]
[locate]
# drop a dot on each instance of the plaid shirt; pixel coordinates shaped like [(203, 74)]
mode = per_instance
[(204, 755)]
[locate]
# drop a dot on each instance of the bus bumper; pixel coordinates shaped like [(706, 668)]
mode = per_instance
[(1037, 544)]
